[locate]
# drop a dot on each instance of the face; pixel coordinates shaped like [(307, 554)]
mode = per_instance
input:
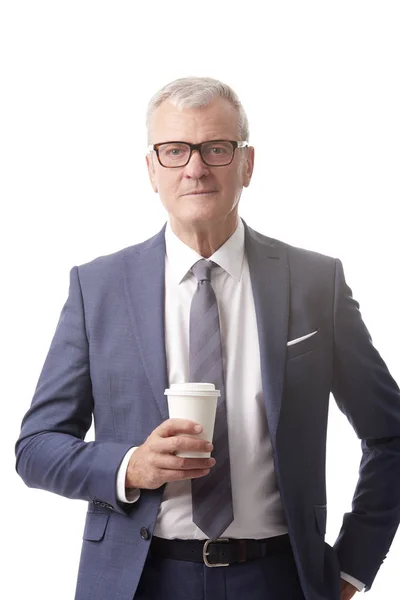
[(197, 195)]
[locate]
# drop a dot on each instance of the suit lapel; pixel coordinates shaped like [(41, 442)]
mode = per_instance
[(144, 279), (270, 284)]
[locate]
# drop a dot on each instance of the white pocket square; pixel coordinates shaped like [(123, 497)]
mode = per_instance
[(300, 339)]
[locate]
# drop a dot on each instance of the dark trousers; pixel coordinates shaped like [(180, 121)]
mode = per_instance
[(270, 578)]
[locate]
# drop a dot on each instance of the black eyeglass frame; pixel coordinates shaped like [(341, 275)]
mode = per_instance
[(235, 144)]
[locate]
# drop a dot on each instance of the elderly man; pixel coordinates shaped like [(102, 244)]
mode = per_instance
[(276, 329)]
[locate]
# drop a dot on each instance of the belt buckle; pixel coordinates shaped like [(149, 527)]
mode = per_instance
[(205, 553)]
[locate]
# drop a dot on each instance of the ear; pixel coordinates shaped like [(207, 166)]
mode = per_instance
[(152, 172), (248, 166)]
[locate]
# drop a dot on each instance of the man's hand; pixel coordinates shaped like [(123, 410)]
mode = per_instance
[(348, 590), (154, 463)]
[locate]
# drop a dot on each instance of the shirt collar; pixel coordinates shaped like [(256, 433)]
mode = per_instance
[(229, 256)]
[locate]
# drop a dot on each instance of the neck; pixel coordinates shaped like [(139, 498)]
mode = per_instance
[(205, 238)]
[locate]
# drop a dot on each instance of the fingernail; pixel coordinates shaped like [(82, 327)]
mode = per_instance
[(198, 428)]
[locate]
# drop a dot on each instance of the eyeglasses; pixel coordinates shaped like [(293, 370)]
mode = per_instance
[(215, 153)]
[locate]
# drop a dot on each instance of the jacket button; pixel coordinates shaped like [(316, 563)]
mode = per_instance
[(144, 533)]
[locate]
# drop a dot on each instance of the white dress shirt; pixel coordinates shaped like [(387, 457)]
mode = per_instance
[(258, 511)]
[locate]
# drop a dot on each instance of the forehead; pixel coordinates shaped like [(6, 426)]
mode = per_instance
[(217, 120)]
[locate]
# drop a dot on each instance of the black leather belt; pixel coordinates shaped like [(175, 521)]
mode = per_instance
[(221, 552)]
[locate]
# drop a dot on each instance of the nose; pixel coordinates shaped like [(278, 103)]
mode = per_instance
[(196, 168)]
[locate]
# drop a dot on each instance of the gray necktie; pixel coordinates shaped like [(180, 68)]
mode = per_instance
[(211, 494)]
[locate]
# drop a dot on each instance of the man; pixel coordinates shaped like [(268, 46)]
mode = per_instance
[(276, 329)]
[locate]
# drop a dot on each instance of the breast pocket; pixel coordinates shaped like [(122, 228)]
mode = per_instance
[(303, 346)]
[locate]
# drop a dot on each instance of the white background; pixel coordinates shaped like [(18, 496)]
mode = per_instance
[(320, 83)]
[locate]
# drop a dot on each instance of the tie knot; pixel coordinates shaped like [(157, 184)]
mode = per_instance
[(202, 269)]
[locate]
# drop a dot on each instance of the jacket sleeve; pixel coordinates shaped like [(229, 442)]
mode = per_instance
[(367, 394), (51, 452)]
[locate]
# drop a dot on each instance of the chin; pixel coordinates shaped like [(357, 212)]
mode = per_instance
[(202, 216)]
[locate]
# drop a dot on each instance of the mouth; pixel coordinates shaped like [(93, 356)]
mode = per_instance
[(200, 193)]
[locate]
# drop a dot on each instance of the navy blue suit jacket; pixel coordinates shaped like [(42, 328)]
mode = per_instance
[(107, 359)]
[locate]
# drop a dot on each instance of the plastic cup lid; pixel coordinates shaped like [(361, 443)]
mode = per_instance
[(196, 389)]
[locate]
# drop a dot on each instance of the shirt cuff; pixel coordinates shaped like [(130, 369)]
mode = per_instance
[(358, 584), (126, 495)]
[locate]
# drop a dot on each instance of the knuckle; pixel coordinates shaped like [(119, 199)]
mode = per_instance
[(177, 443), (149, 445), (164, 427), (165, 430), (181, 462)]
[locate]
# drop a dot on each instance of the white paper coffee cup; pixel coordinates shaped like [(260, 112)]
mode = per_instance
[(196, 402)]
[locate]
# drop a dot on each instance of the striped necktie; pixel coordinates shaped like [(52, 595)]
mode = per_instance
[(211, 494)]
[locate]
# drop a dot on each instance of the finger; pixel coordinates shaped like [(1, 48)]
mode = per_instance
[(179, 443), (177, 463), (173, 426), (169, 475), (183, 443)]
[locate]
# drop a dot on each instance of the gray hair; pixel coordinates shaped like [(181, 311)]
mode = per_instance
[(193, 92)]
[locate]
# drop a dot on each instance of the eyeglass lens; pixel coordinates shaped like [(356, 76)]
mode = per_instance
[(213, 153)]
